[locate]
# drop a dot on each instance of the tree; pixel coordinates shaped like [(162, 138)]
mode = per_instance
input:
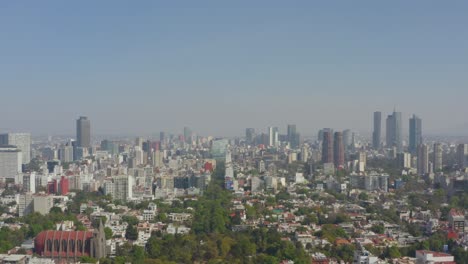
[(108, 233), (55, 210), (131, 233), (379, 229), (363, 196)]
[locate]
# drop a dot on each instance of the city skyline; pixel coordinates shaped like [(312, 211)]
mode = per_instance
[(219, 68)]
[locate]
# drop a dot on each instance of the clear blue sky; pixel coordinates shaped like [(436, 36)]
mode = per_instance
[(138, 67)]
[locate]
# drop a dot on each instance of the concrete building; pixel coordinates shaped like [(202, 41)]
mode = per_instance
[(327, 147), (377, 133), (394, 131), (462, 155), (22, 141), (25, 205), (250, 136), (457, 220), (404, 160), (83, 132), (432, 257), (43, 203), (11, 160), (415, 134), (423, 159), (438, 165), (120, 187), (338, 150)]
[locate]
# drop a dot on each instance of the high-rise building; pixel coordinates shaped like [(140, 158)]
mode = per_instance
[(162, 137), (327, 147), (11, 160), (22, 141), (437, 157), (249, 135), (321, 131), (423, 159), (273, 136), (415, 133), (377, 133), (404, 160), (292, 136), (66, 153), (188, 135), (347, 138), (462, 155), (338, 150), (83, 132), (394, 131), (120, 187)]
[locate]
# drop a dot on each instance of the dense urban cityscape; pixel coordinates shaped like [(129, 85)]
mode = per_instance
[(267, 197), (233, 132)]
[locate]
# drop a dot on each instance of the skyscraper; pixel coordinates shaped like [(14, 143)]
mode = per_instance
[(292, 136), (462, 155), (83, 132), (376, 135), (423, 159), (10, 161), (273, 136), (249, 135), (188, 135), (394, 131), (437, 157), (327, 147), (347, 138), (415, 133), (338, 150), (22, 141)]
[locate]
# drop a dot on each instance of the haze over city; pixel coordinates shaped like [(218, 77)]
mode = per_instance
[(139, 68)]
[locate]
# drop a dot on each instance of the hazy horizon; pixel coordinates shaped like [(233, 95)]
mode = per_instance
[(219, 67)]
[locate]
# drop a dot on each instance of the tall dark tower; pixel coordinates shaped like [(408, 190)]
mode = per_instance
[(249, 135), (327, 147), (415, 133), (338, 149), (292, 136), (394, 131), (376, 135), (83, 132)]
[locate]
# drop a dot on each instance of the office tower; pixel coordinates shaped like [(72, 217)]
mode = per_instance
[(404, 160), (66, 153), (188, 135), (321, 131), (347, 139), (249, 136), (83, 132), (423, 159), (120, 187), (437, 162), (292, 136), (273, 136), (25, 205), (29, 183), (462, 155), (22, 141), (338, 150), (162, 137), (394, 131), (327, 147), (376, 135), (11, 160), (415, 133), (304, 154), (362, 161), (139, 142)]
